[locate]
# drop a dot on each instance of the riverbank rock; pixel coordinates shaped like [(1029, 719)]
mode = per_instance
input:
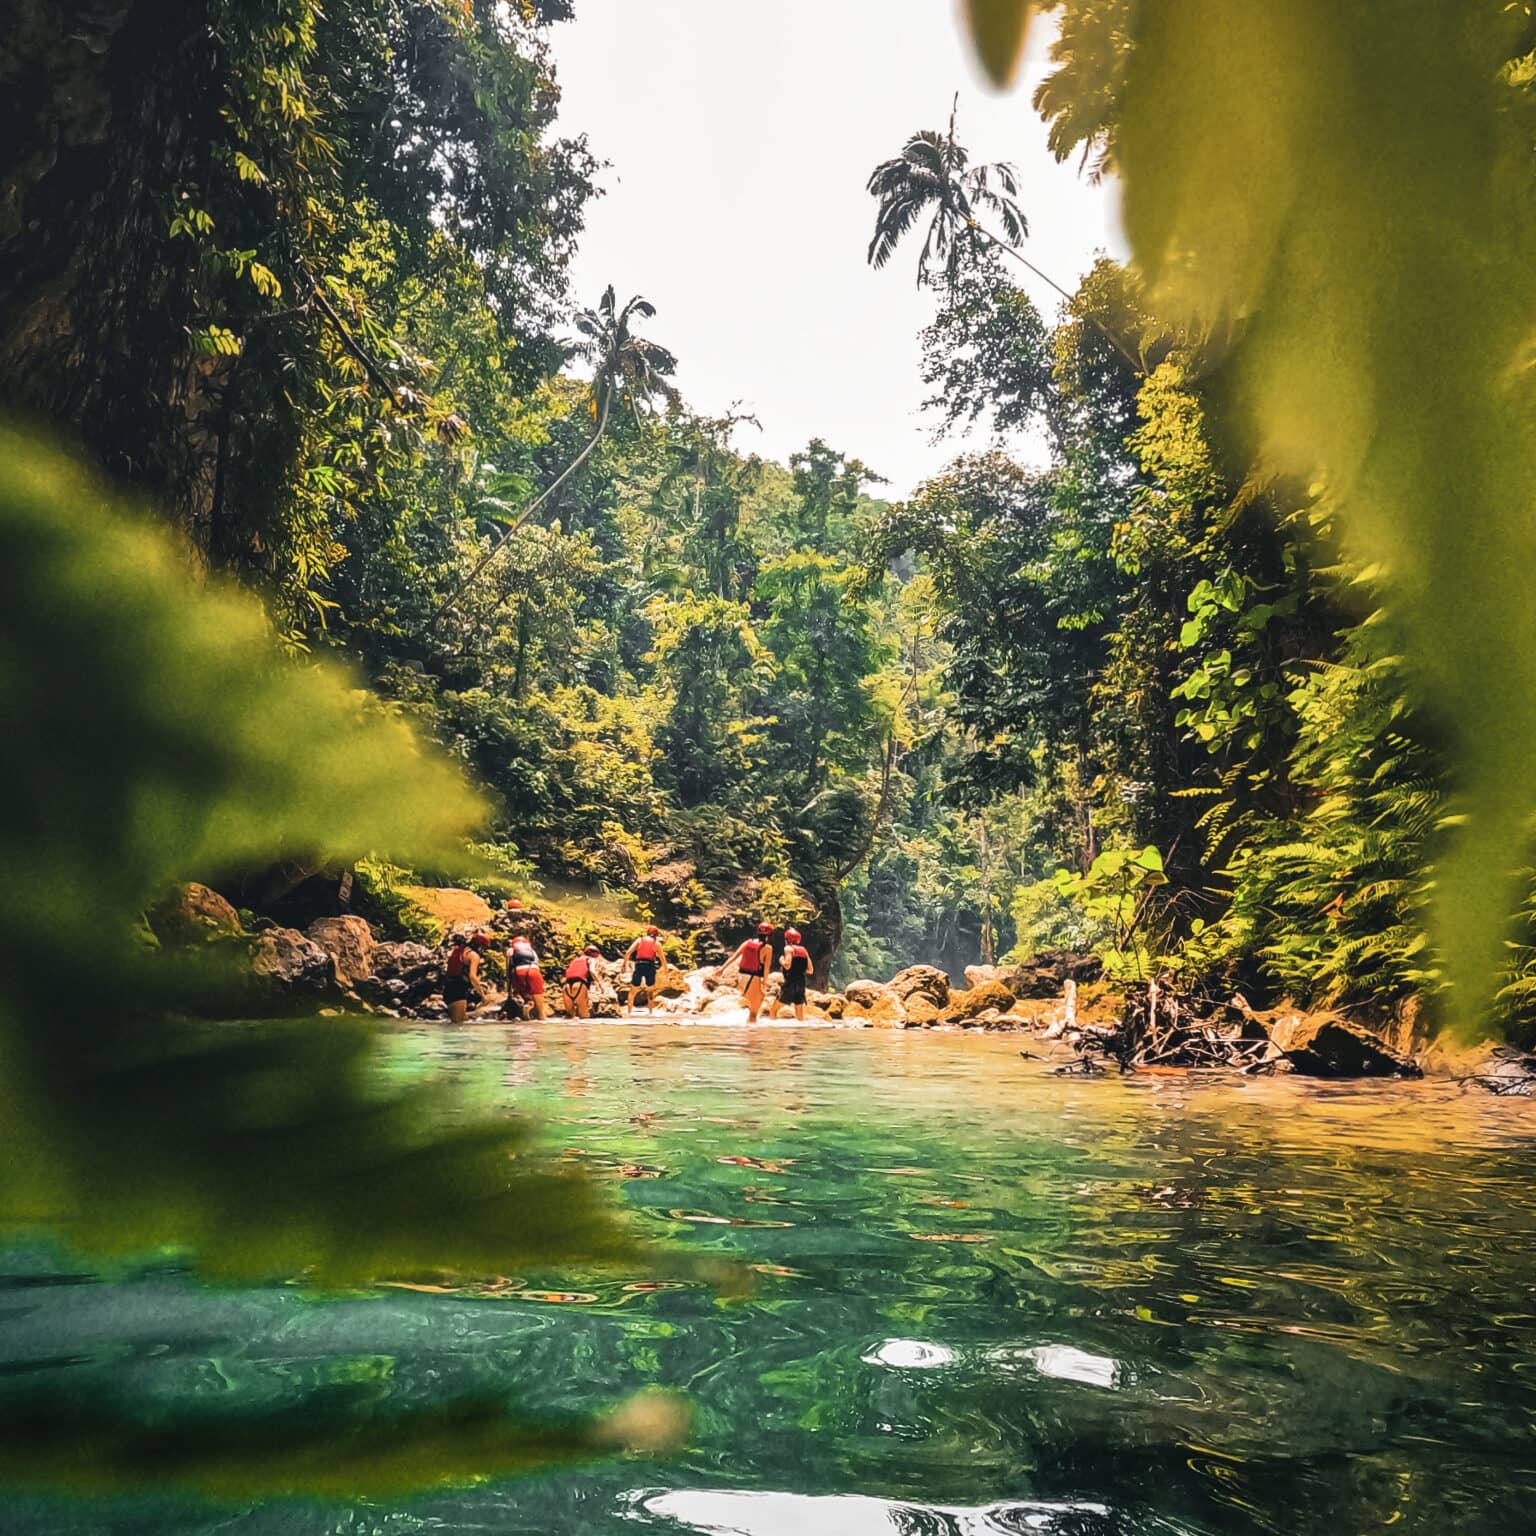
[(449, 908), (921, 1011), (1330, 1045), (193, 914), (927, 982), (670, 982), (967, 1007), (1043, 976), (865, 994), (349, 942), (284, 960)]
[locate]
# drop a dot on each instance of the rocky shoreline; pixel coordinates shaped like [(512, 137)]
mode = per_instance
[(1082, 1023)]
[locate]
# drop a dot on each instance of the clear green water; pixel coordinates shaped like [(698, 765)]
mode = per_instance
[(1180, 1306)]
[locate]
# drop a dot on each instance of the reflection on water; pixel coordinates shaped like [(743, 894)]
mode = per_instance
[(987, 1300), (766, 1514)]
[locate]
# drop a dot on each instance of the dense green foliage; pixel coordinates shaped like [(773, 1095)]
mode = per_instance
[(740, 688), (1337, 212)]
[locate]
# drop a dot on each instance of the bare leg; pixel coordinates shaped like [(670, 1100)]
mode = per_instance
[(458, 1011)]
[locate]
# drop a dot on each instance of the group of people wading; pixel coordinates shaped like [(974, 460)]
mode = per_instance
[(754, 961)]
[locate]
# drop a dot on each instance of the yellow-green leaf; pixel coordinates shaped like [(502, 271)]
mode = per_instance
[(997, 29)]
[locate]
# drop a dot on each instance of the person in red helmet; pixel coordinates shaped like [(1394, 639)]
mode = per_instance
[(525, 981), (577, 986), (461, 974), (753, 960), (645, 955), (795, 963)]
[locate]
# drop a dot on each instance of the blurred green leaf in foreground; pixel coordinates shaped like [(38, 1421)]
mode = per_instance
[(1331, 201), (153, 732)]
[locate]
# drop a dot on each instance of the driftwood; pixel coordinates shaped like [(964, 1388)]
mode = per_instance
[(1163, 1030)]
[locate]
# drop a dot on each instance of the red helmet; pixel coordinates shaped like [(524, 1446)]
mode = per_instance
[(480, 941), (513, 904), (765, 927), (792, 935), (653, 930), (592, 949)]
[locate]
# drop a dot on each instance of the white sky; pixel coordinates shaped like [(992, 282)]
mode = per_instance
[(740, 134)]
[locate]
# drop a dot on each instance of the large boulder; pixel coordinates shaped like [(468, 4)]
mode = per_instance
[(602, 994), (448, 908), (1330, 1045), (977, 975), (991, 996), (193, 914), (921, 1011), (1044, 975), (404, 975), (864, 994), (401, 961), (349, 942), (925, 981), (284, 960), (671, 982)]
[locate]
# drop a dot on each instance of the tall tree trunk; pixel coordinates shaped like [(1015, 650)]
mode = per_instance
[(103, 107)]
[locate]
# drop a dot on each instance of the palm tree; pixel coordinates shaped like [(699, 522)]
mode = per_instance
[(625, 366), (933, 171)]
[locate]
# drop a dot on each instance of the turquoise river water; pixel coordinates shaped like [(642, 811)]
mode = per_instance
[(987, 1300)]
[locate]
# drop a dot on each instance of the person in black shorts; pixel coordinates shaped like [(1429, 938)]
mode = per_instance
[(645, 955), (461, 975), (795, 962)]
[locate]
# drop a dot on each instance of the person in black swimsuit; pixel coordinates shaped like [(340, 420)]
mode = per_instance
[(795, 962), (461, 975)]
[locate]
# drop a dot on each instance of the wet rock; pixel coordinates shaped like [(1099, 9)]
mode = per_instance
[(391, 961), (964, 1007), (283, 959), (1046, 975), (979, 975), (349, 942), (864, 994), (886, 1012), (671, 982), (193, 914), (922, 1012), (603, 994), (924, 981), (1330, 1045), (405, 975)]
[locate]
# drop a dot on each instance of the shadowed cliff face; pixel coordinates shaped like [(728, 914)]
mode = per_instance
[(107, 110)]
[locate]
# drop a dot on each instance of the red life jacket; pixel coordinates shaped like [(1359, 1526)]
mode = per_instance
[(752, 960), (580, 969), (458, 960), (793, 952), (647, 948)]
